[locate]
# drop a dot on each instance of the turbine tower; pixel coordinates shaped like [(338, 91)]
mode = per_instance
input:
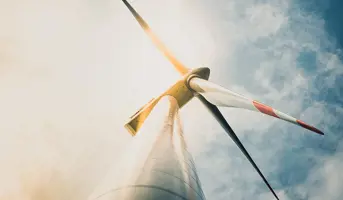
[(164, 147), (157, 165)]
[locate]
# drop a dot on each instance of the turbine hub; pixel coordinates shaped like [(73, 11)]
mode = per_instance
[(181, 91), (201, 72)]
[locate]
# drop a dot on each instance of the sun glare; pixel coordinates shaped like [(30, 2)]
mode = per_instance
[(80, 69)]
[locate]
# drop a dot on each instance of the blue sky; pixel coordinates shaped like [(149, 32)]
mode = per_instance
[(72, 72), (298, 164)]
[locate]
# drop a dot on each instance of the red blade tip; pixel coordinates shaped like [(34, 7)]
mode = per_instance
[(311, 128)]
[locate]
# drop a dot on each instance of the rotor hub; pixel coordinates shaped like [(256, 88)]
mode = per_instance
[(201, 72)]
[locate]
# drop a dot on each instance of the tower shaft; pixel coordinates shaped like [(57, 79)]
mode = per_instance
[(157, 165)]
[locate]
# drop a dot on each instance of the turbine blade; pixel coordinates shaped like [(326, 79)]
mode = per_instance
[(220, 118), (177, 64), (220, 96)]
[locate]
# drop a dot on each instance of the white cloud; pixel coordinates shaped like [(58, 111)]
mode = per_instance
[(324, 181), (264, 19)]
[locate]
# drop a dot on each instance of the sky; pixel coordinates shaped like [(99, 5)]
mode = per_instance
[(72, 73)]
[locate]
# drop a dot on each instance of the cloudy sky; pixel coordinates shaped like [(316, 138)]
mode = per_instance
[(72, 72)]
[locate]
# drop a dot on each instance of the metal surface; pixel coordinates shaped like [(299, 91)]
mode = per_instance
[(157, 165)]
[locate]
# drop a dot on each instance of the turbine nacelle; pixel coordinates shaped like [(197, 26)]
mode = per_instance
[(181, 91)]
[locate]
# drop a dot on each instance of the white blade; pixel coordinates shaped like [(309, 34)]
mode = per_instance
[(220, 96), (157, 42)]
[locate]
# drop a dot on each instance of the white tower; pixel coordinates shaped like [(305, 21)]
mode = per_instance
[(157, 165)]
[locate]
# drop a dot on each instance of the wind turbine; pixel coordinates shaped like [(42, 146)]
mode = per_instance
[(194, 83)]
